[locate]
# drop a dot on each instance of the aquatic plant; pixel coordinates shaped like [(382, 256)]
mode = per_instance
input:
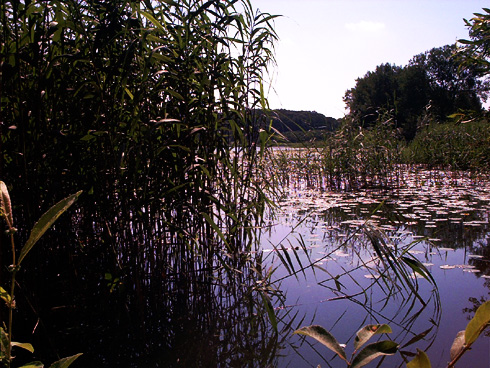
[(152, 109), (463, 341), (458, 145), (44, 223), (460, 346), (359, 357)]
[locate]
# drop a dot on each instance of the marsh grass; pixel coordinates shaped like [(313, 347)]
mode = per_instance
[(151, 109), (456, 145)]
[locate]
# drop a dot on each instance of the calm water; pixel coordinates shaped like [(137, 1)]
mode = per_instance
[(440, 218), (176, 313)]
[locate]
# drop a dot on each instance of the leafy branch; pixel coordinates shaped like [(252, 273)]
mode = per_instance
[(44, 223)]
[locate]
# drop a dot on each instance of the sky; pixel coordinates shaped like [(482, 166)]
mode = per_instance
[(325, 45)]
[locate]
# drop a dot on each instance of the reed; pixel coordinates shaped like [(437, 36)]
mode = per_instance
[(151, 109)]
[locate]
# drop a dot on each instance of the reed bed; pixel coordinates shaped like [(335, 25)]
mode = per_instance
[(151, 110)]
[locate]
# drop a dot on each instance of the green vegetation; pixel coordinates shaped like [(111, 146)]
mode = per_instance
[(460, 146), (429, 111), (156, 110), (461, 344), (363, 357), (301, 126), (151, 108), (44, 223), (431, 87)]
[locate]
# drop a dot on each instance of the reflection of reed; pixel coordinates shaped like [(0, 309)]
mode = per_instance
[(168, 299)]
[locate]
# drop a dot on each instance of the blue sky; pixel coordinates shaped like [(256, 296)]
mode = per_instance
[(326, 44)]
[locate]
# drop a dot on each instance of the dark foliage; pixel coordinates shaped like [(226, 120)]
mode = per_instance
[(432, 86), (149, 108)]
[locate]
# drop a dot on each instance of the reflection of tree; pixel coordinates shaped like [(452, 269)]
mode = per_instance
[(481, 248)]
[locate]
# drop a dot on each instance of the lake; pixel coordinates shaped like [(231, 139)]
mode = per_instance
[(440, 218), (152, 301)]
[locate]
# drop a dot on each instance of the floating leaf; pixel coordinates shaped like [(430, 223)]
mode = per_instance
[(368, 331), (458, 345), (447, 267), (478, 323), (372, 351), (323, 336), (65, 362), (45, 222), (420, 361)]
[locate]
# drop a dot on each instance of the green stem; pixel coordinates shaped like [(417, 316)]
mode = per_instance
[(11, 304)]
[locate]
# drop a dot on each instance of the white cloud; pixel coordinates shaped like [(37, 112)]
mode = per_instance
[(365, 26)]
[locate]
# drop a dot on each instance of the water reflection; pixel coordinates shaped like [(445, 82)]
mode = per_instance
[(439, 218), (181, 308)]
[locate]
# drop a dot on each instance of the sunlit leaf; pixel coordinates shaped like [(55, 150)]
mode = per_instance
[(458, 345), (478, 323), (5, 205), (420, 361), (152, 19), (5, 296), (373, 351), (46, 221), (65, 362), (33, 365), (4, 339), (324, 337), (368, 331), (23, 345)]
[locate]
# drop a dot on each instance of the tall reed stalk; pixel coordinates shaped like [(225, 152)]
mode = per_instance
[(150, 108)]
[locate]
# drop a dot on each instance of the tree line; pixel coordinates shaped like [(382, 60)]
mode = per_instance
[(433, 86)]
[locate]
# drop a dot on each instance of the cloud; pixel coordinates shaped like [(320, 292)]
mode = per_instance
[(365, 26)]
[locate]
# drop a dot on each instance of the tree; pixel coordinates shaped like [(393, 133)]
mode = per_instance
[(375, 91), (451, 87), (475, 52), (433, 84)]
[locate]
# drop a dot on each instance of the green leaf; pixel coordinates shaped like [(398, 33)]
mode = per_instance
[(45, 223), (65, 362), (33, 365), (372, 351), (270, 310), (23, 345), (418, 267), (131, 96), (323, 336), (5, 205), (4, 339), (368, 331), (478, 323), (152, 19), (420, 361), (458, 345), (5, 296)]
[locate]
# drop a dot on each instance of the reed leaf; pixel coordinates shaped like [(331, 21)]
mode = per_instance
[(45, 222)]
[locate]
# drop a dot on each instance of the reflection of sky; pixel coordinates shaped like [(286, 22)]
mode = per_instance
[(312, 298)]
